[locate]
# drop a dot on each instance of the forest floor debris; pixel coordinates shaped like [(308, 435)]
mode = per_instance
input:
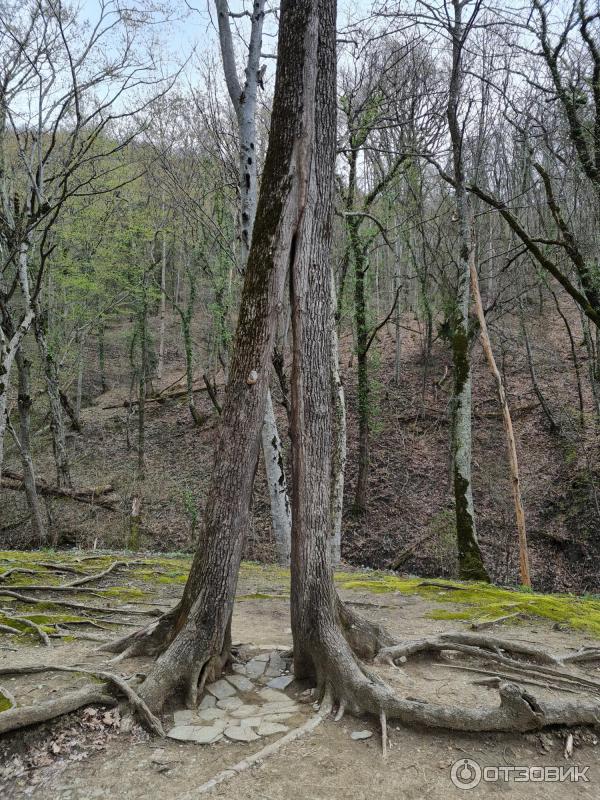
[(258, 704)]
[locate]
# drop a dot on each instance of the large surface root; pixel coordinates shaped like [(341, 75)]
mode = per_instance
[(360, 691)]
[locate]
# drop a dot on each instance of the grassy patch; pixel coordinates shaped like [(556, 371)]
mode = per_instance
[(485, 601)]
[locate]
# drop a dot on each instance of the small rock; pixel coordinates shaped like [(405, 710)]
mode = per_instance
[(239, 669), (282, 682), (183, 717), (356, 735), (221, 689), (229, 704), (208, 701), (271, 728), (245, 711), (159, 757), (240, 682), (193, 733), (210, 714), (241, 734)]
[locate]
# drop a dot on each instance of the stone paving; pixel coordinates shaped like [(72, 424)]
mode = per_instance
[(243, 707)]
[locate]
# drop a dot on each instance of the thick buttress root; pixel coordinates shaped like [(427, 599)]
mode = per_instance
[(360, 691)]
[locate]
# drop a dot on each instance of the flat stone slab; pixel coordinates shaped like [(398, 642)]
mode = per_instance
[(220, 689), (255, 668), (275, 666), (262, 657), (208, 701), (210, 714), (282, 682), (241, 734), (183, 717), (245, 711), (273, 696), (356, 735), (241, 683), (271, 728), (229, 704), (195, 733), (251, 722)]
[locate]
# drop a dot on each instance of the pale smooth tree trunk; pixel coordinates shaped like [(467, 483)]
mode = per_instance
[(11, 338), (244, 100), (281, 513), (511, 446), (339, 451)]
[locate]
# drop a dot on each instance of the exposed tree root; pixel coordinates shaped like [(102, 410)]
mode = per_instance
[(75, 586), (22, 717), (42, 635), (364, 692), (149, 641), (71, 604), (118, 683)]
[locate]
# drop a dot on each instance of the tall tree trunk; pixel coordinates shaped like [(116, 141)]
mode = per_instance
[(11, 335), (163, 307), (57, 423), (245, 101), (338, 456), (470, 561), (508, 428), (102, 356), (398, 311), (38, 527), (80, 363), (198, 632), (364, 383), (281, 513)]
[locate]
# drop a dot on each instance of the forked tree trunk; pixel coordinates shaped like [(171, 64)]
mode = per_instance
[(198, 633), (508, 427)]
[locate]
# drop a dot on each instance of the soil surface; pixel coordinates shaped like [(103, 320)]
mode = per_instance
[(92, 753)]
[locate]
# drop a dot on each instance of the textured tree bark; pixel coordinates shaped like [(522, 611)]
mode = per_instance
[(508, 427), (364, 385), (196, 636), (24, 402), (470, 561)]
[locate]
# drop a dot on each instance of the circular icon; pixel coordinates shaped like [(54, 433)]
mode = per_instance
[(465, 774)]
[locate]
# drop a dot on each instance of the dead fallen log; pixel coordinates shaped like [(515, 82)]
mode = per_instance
[(97, 496), (160, 398)]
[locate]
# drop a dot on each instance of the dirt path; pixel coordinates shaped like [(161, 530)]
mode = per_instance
[(89, 755)]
